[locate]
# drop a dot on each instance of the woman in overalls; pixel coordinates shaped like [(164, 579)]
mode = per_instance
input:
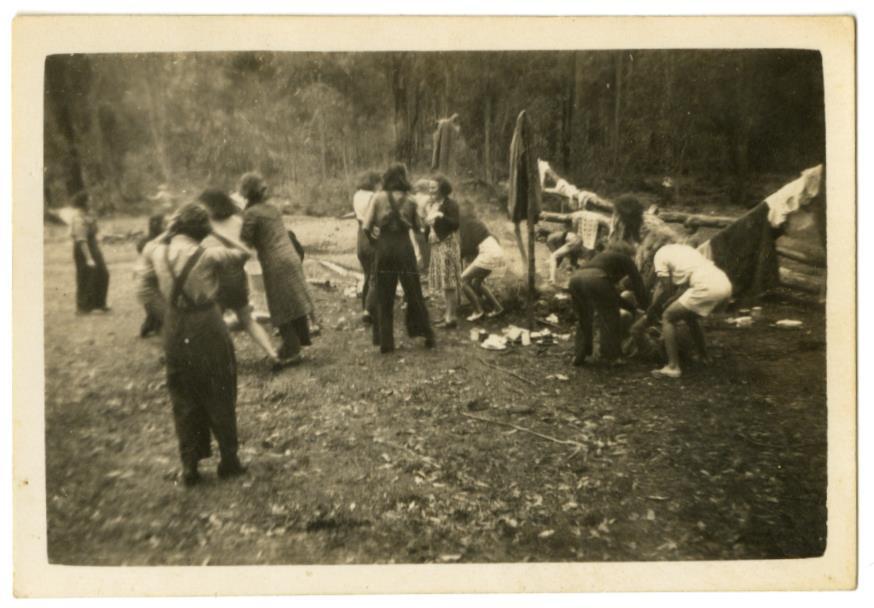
[(392, 220), (199, 353)]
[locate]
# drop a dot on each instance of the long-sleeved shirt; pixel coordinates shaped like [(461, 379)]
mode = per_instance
[(203, 281), (617, 266), (448, 223), (471, 232)]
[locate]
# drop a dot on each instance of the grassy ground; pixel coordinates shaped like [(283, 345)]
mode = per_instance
[(361, 458)]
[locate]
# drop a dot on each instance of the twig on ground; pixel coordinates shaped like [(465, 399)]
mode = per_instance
[(506, 371), (403, 448), (579, 446)]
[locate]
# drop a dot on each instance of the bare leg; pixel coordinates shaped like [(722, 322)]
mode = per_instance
[(451, 304), (698, 338), (669, 334), (471, 295), (258, 333)]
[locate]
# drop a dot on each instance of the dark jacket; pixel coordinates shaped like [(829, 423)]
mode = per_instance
[(446, 225)]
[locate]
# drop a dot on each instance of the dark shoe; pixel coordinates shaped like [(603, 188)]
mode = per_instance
[(579, 361), (191, 477), (429, 342), (227, 470), (386, 349), (281, 364)]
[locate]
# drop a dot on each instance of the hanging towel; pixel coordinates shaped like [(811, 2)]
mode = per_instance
[(444, 140), (745, 250), (524, 182), (793, 196)]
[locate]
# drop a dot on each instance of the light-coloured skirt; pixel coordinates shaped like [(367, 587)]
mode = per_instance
[(444, 271)]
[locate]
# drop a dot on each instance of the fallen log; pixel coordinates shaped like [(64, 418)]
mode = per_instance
[(801, 281), (696, 219), (801, 257), (341, 270)]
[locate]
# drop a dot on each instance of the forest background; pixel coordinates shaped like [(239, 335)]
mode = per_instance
[(727, 127)]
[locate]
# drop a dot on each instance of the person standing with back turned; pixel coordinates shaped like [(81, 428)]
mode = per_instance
[(392, 220)]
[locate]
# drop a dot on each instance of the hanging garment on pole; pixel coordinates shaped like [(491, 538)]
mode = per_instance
[(444, 140), (524, 175), (746, 252)]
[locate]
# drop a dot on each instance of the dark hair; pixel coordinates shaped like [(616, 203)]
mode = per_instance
[(621, 247), (156, 225), (193, 221), (395, 178), (80, 200), (630, 212), (444, 187), (368, 181), (218, 203), (252, 187)]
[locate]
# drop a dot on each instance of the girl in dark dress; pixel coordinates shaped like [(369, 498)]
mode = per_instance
[(392, 220), (92, 276), (199, 353), (288, 295)]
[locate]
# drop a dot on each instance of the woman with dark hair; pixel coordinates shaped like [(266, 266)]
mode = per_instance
[(392, 221), (199, 353), (92, 276), (627, 219), (444, 274), (233, 294), (288, 296), (367, 187)]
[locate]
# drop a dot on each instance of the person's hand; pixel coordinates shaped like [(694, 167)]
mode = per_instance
[(638, 327), (374, 232), (90, 263)]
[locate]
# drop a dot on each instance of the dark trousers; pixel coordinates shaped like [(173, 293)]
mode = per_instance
[(396, 262), (295, 333), (202, 381), (592, 291), (366, 255), (92, 283)]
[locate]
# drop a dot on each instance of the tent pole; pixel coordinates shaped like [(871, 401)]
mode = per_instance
[(532, 271)]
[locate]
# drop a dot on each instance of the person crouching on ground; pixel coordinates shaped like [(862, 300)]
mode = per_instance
[(698, 286), (288, 295), (392, 221), (444, 273), (483, 254), (233, 293), (594, 288), (367, 187), (199, 353)]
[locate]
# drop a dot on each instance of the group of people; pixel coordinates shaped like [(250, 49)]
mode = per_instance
[(688, 288), (408, 232), (191, 272)]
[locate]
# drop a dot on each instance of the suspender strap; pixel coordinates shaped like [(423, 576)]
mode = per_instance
[(179, 281)]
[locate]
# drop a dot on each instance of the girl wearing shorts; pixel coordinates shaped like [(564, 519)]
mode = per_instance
[(483, 254), (701, 285)]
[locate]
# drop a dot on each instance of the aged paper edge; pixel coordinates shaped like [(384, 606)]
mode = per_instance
[(35, 37)]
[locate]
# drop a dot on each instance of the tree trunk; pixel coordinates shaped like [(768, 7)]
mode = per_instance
[(156, 120), (617, 108), (59, 98), (487, 138)]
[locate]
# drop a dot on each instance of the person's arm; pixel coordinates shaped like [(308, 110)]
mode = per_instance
[(637, 286), (662, 293), (80, 235), (249, 230), (370, 215), (225, 256)]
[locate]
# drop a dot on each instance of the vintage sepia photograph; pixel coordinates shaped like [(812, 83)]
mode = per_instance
[(439, 306)]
